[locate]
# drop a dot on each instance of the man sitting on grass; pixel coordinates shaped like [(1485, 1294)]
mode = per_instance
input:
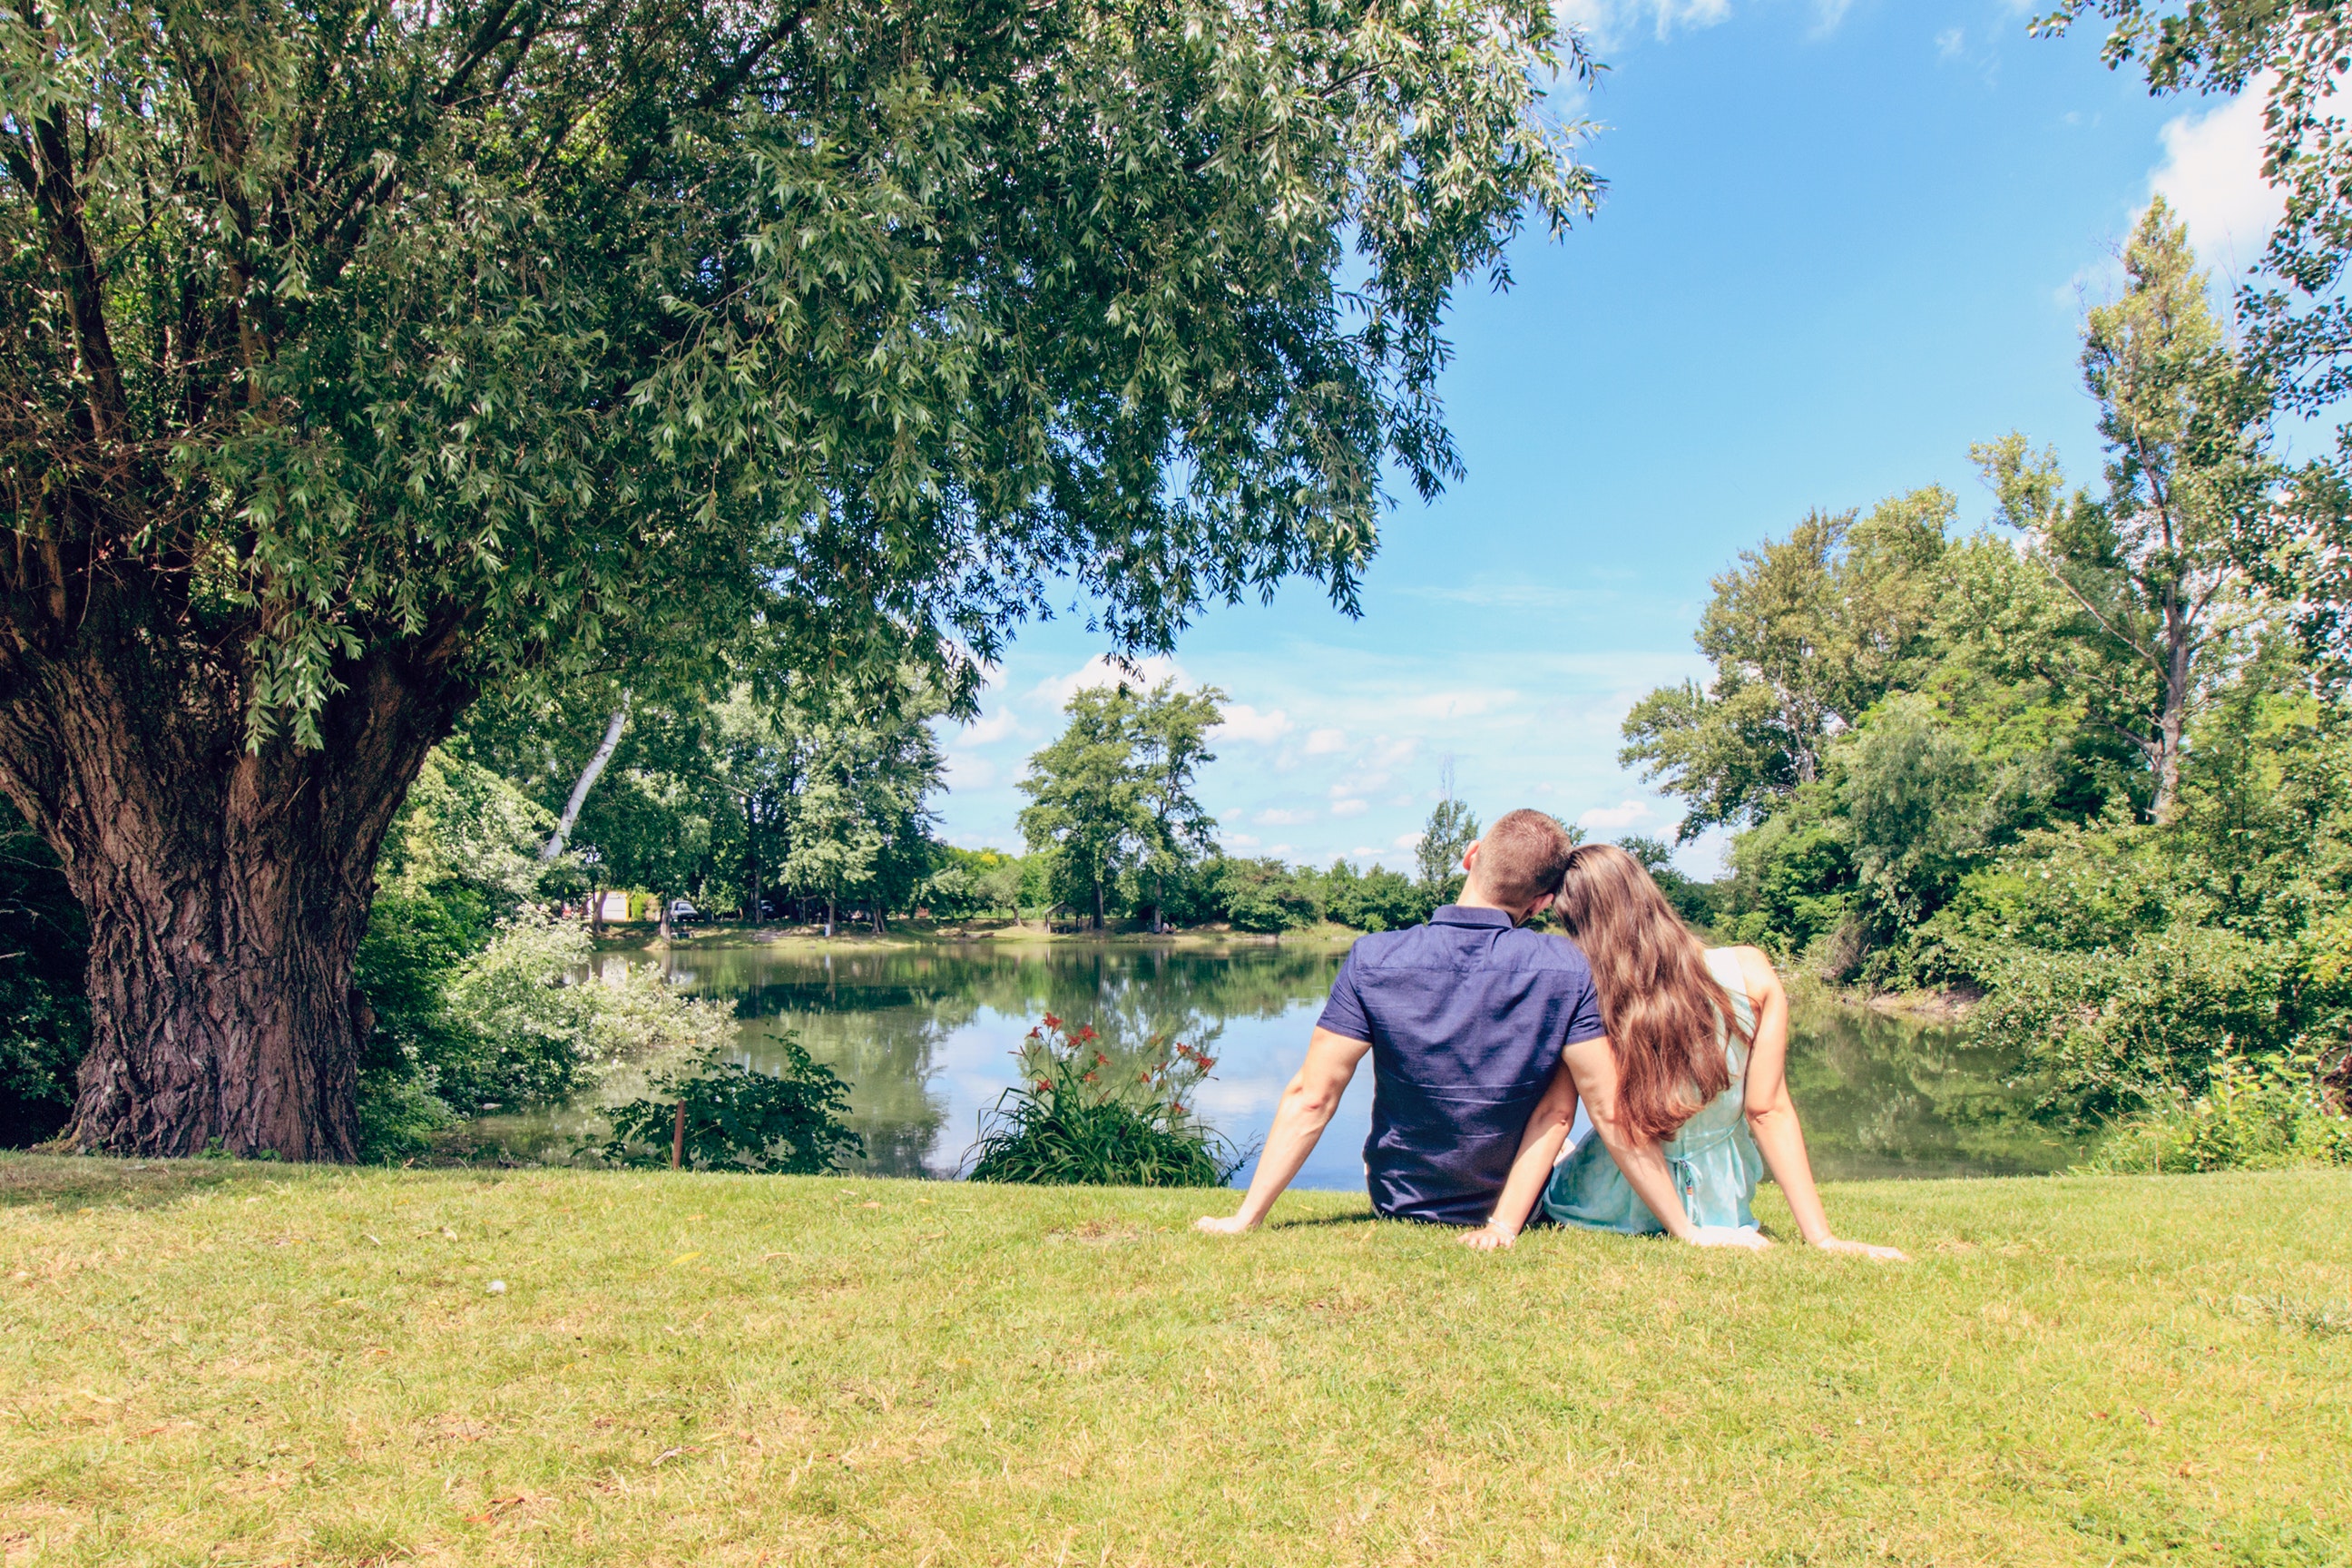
[(1465, 1018)]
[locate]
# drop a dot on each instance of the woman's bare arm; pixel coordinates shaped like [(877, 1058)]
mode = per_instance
[(1548, 1129), (1772, 1115), (1594, 1067)]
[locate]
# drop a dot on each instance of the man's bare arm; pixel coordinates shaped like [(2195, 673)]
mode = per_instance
[(1307, 1104), (1547, 1130)]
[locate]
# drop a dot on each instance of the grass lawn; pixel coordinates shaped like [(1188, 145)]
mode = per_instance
[(244, 1363)]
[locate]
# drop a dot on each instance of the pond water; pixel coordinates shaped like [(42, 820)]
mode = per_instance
[(925, 1037)]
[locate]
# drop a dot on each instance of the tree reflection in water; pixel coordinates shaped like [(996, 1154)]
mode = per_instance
[(896, 1022)]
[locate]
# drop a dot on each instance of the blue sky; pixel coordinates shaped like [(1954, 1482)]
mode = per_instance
[(1843, 239)]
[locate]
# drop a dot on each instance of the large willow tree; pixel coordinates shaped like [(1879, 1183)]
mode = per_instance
[(358, 356)]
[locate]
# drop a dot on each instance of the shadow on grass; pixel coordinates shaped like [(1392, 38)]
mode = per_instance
[(76, 1181)]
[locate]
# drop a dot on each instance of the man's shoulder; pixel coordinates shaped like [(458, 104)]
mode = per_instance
[(1371, 948), (1520, 949), (1544, 950)]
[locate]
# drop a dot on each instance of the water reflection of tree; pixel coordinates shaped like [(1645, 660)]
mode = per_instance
[(1885, 1096), (878, 1018)]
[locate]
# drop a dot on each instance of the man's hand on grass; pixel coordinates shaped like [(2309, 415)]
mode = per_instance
[(1862, 1249), (1489, 1238), (1221, 1225)]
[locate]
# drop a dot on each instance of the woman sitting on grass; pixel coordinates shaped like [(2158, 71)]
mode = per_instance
[(1686, 1088)]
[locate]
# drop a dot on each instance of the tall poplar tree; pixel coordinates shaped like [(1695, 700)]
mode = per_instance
[(2152, 564), (355, 358)]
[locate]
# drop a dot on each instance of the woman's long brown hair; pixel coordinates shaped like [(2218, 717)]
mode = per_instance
[(1658, 1001)]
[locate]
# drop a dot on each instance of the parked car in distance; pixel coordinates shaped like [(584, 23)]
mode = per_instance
[(683, 913)]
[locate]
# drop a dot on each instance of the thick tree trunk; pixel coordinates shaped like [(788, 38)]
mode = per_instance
[(1098, 906), (226, 888)]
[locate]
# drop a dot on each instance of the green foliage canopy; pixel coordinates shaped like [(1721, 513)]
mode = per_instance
[(1805, 633), (518, 333)]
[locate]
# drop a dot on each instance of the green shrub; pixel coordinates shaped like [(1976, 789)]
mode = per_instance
[(1791, 886), (473, 1018), (1377, 900), (1266, 897), (399, 1115), (2246, 1120), (786, 1123), (2126, 1027), (1082, 1118)]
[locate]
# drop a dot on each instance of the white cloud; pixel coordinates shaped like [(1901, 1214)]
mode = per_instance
[(1099, 671), (1951, 43), (965, 771), (1459, 704), (1614, 818), (1610, 21), (1323, 742), (1347, 808), (1408, 840), (1241, 840), (1243, 722), (2211, 176), (1280, 817), (988, 729)]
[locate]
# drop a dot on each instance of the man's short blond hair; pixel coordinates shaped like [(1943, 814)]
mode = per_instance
[(1522, 857)]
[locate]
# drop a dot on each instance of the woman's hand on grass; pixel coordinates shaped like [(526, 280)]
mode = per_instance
[(1862, 1249), (1728, 1235), (1221, 1225), (1489, 1238)]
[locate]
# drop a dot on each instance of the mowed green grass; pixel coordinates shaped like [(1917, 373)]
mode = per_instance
[(242, 1363)]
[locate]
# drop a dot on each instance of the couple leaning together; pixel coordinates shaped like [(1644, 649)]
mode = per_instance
[(1485, 1037)]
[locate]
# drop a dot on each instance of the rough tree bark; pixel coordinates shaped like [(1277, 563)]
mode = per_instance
[(226, 888)]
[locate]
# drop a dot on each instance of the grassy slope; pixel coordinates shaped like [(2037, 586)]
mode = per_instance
[(242, 1363)]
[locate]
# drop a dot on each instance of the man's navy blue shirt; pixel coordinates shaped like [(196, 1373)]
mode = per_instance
[(1467, 1017)]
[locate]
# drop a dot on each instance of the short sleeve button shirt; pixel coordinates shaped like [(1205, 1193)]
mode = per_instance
[(1467, 1017)]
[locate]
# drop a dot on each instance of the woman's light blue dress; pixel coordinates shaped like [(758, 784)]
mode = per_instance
[(1714, 1159)]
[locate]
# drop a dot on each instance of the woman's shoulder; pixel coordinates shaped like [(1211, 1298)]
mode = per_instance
[(1753, 964)]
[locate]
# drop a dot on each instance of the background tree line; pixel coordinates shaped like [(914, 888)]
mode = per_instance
[(2091, 761)]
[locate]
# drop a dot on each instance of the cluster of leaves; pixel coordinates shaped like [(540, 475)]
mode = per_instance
[(776, 787), (2246, 1118), (478, 997), (736, 1119), (44, 1015), (1084, 1116)]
